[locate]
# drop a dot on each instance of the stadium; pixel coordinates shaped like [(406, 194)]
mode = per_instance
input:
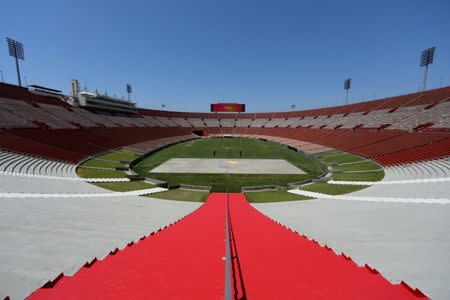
[(102, 198)]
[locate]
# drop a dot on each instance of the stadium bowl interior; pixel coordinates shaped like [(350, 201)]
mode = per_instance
[(81, 176)]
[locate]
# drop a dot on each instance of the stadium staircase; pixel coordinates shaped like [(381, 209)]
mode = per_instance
[(187, 259), (12, 163)]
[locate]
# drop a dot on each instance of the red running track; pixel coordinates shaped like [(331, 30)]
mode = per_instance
[(185, 261)]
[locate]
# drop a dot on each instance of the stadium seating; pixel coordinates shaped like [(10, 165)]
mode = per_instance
[(152, 145), (74, 145), (22, 164), (44, 136), (439, 168), (394, 130), (224, 122)]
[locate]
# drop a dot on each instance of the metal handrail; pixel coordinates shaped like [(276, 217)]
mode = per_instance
[(228, 261)]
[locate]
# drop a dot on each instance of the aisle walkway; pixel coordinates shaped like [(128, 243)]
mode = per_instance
[(186, 261), (278, 263), (183, 261)]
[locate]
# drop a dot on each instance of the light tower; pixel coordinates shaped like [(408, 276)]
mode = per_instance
[(347, 85), (16, 50), (426, 59), (129, 91)]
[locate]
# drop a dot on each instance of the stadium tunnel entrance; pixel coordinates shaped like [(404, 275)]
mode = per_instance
[(198, 132)]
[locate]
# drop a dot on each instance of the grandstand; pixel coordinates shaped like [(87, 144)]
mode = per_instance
[(44, 139), (388, 130)]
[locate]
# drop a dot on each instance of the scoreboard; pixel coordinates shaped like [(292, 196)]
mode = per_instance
[(228, 107)]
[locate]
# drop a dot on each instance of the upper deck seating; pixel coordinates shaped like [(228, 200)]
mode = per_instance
[(258, 123), (243, 122), (227, 122), (166, 121), (10, 120), (33, 114), (182, 122), (196, 122), (212, 122), (69, 115), (274, 122)]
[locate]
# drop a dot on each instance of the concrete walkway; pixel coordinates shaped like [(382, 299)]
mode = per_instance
[(42, 237), (400, 229), (84, 195)]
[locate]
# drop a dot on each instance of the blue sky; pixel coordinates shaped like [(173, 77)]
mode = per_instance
[(267, 54)]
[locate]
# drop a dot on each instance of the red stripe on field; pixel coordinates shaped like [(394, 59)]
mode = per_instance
[(183, 261), (278, 263)]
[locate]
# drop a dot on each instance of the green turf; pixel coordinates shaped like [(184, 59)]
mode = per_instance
[(360, 176), (330, 152), (96, 173), (332, 189), (363, 165), (122, 154), (231, 182), (341, 158), (228, 148), (115, 157), (100, 163), (125, 186), (273, 196), (182, 195)]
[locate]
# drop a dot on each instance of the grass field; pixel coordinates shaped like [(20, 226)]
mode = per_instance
[(228, 148), (182, 195), (364, 165), (356, 164), (95, 173), (332, 189), (101, 163), (108, 160), (122, 154), (125, 186), (340, 158), (330, 152), (273, 196), (360, 176)]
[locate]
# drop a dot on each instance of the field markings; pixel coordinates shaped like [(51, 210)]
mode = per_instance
[(228, 166)]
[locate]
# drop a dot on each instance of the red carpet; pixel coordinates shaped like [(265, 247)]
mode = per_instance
[(278, 263), (185, 261)]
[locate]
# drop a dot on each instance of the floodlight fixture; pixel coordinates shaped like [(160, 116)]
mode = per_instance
[(426, 58), (347, 86), (15, 49), (129, 91)]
